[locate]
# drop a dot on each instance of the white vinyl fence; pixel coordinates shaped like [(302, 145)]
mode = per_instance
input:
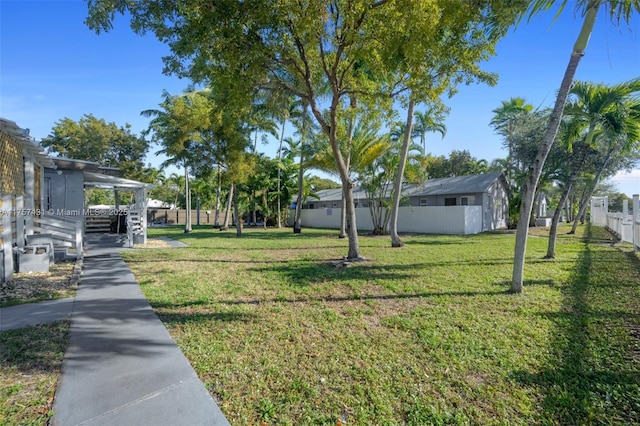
[(456, 220), (623, 225)]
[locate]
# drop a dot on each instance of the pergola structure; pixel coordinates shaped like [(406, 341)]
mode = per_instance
[(136, 213), (66, 187)]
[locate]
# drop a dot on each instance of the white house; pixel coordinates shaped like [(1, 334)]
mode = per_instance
[(22, 161), (458, 205), (64, 196)]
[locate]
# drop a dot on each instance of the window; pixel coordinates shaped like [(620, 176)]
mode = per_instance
[(312, 206), (450, 202), (423, 201), (47, 193), (469, 200), (335, 205)]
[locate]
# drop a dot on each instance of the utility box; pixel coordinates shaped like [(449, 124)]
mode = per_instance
[(34, 258)]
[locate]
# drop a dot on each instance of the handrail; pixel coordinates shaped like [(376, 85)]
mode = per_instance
[(66, 231)]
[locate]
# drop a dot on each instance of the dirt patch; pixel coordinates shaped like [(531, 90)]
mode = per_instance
[(154, 243)]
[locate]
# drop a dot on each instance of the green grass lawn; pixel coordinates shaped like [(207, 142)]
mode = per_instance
[(424, 334), (30, 360)]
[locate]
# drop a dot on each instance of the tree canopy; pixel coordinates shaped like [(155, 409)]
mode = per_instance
[(93, 139), (331, 55)]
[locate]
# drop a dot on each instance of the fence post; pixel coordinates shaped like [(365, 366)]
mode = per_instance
[(634, 228), (79, 239)]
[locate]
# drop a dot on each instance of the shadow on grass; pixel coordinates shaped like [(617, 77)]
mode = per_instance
[(34, 348), (589, 379), (330, 299), (198, 317)]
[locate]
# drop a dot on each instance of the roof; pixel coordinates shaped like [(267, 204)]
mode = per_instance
[(336, 195), (439, 186), (28, 142), (99, 180), (91, 166), (456, 185)]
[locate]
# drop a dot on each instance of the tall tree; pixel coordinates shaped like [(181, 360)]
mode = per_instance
[(619, 139), (505, 121), (430, 120), (618, 10), (457, 41), (93, 139), (321, 51), (599, 113), (178, 127)]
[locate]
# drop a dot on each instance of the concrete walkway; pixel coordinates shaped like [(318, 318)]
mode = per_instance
[(20, 316), (121, 366)]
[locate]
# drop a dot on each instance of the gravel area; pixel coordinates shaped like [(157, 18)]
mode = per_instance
[(61, 281)]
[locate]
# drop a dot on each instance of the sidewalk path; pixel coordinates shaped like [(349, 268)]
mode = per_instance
[(121, 366), (20, 316)]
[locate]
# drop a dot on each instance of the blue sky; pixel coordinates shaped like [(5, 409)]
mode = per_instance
[(52, 66)]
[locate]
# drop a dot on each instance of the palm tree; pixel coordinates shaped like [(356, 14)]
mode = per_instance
[(305, 128), (595, 112), (431, 120), (618, 10), (178, 127), (504, 121), (363, 148), (293, 109), (620, 135)]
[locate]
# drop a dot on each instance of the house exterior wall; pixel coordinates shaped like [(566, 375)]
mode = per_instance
[(11, 166), (472, 199), (456, 220), (66, 190), (496, 206), (11, 187)]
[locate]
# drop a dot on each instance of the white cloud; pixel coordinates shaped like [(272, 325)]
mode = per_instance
[(627, 183)]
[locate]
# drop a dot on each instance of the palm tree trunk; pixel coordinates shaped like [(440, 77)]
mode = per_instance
[(227, 212), (216, 220), (397, 187), (535, 170), (264, 203), (297, 225), (236, 212), (284, 123), (585, 200), (553, 231), (187, 196)]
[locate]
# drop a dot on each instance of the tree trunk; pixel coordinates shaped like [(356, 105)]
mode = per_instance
[(585, 201), (550, 134), (227, 212), (187, 196), (284, 122), (553, 232), (352, 230), (330, 129), (297, 225), (343, 215), (236, 212), (397, 187), (264, 203), (534, 209), (216, 219)]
